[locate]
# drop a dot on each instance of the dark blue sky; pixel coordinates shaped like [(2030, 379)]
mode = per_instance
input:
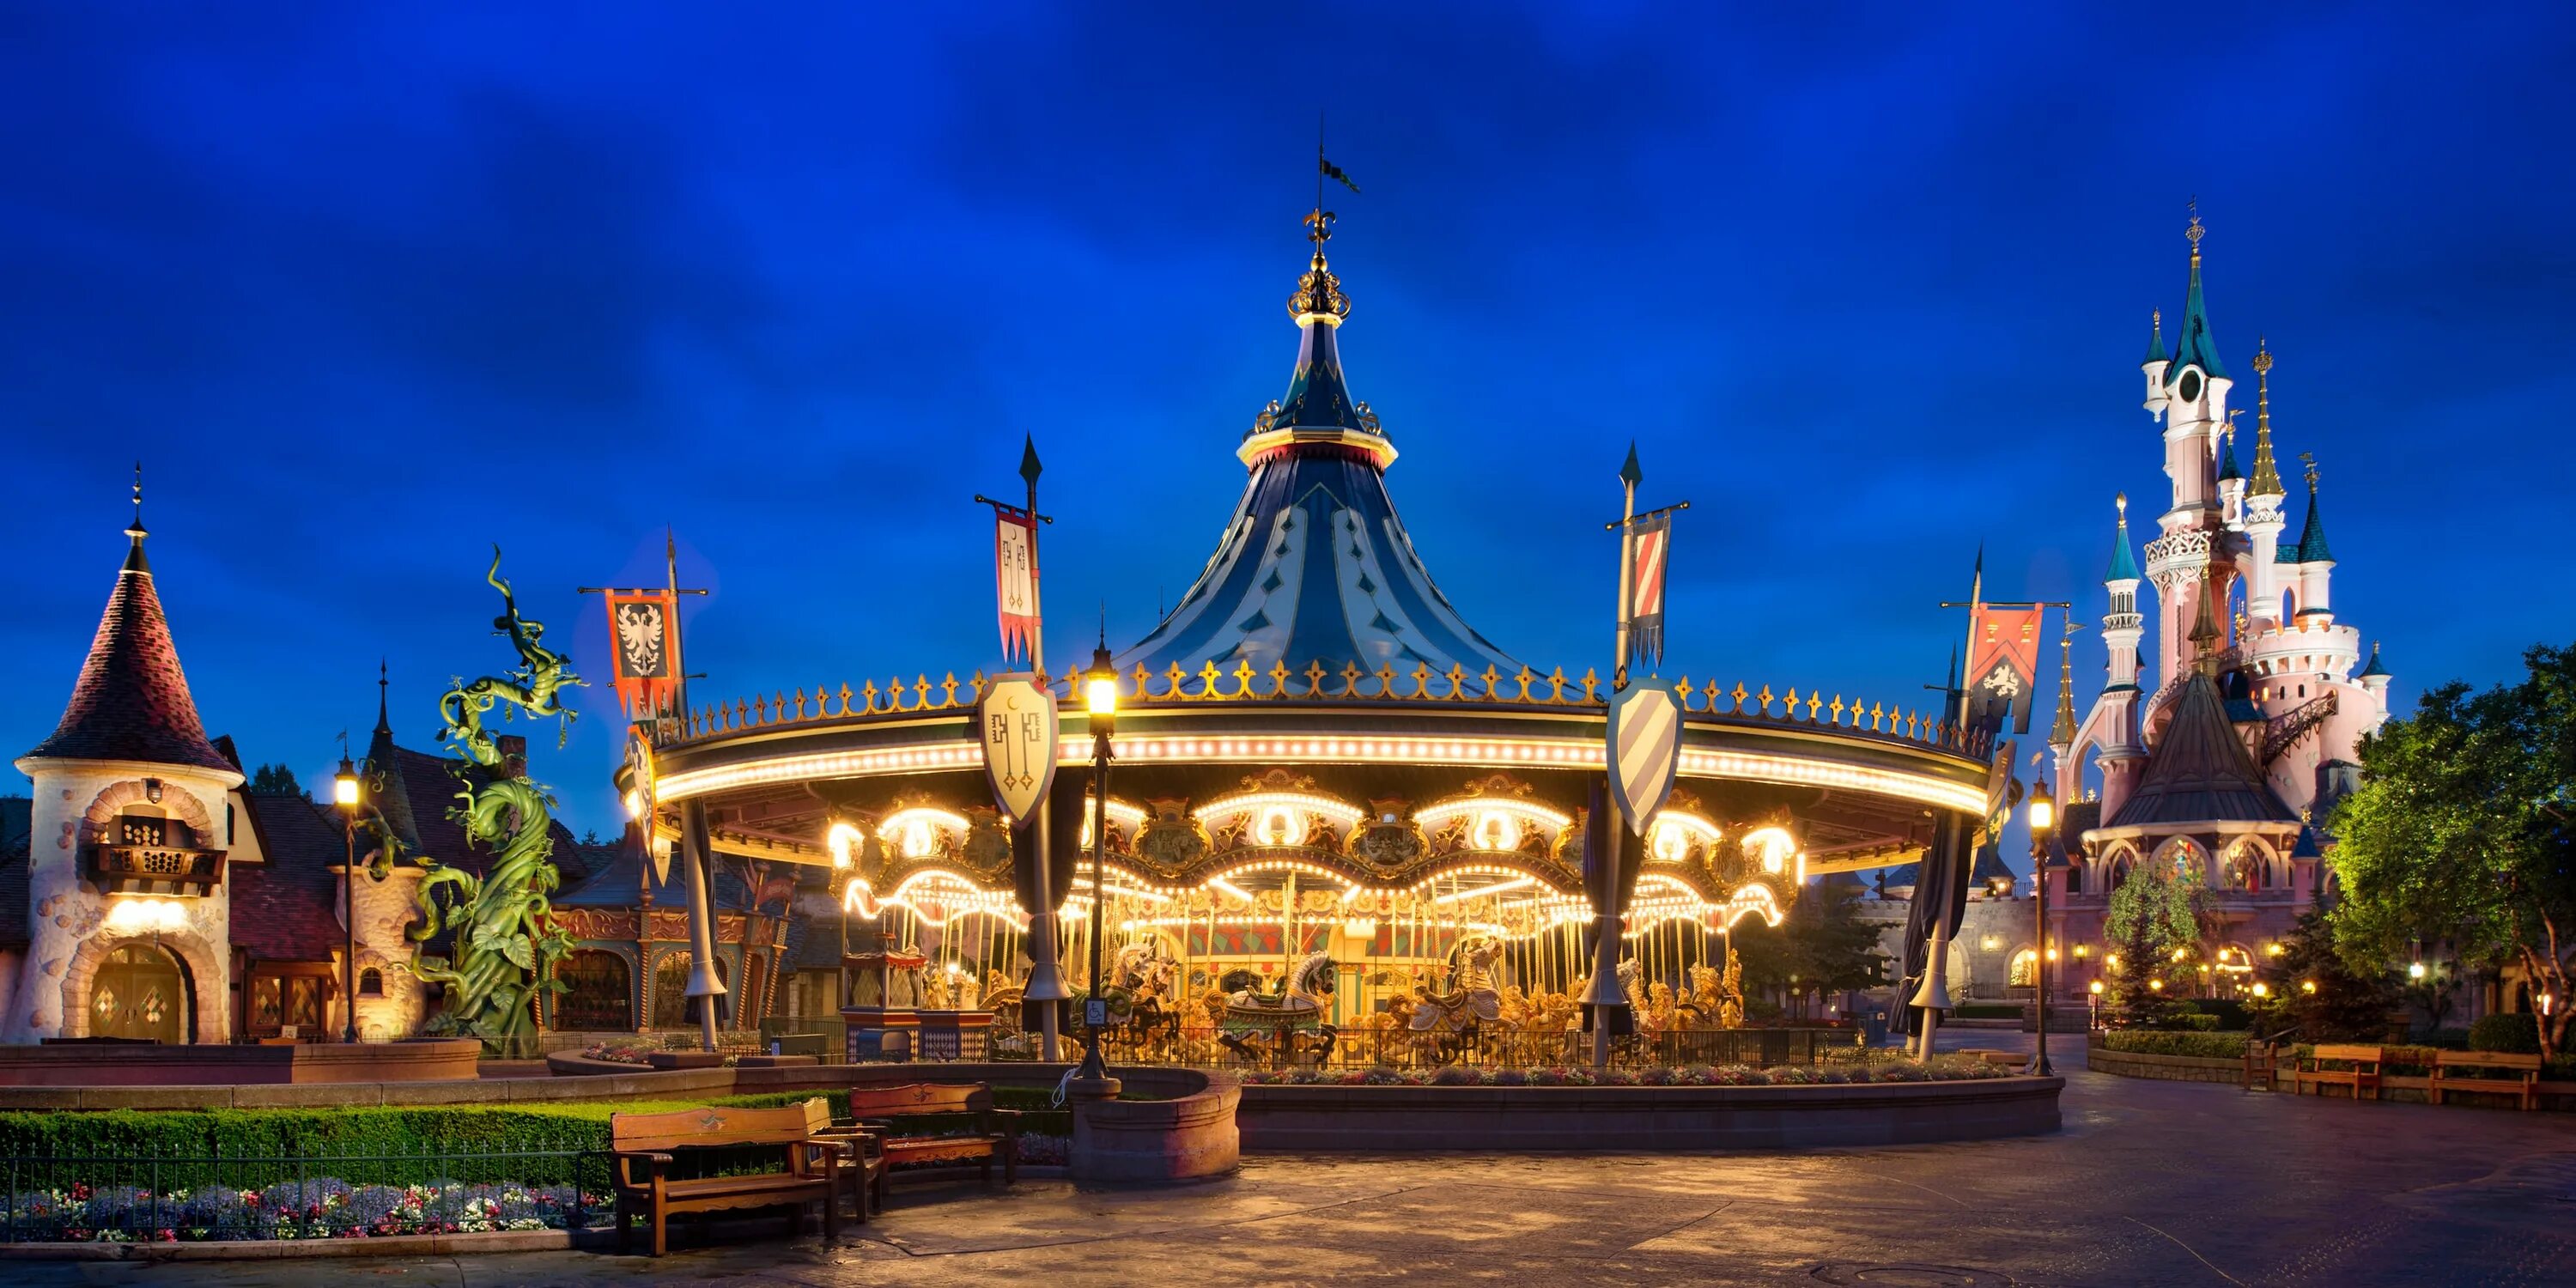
[(369, 291)]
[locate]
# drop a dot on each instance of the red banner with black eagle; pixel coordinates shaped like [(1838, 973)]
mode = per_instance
[(1015, 577), (2003, 667), (644, 631)]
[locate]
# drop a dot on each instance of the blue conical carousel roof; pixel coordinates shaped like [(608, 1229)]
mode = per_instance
[(1315, 568)]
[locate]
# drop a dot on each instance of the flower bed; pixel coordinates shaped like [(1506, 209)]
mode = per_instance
[(1941, 1069), (325, 1208)]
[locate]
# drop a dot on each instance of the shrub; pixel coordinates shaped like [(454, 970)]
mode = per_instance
[(1456, 1075), (2162, 1042), (2517, 1034), (1511, 1078)]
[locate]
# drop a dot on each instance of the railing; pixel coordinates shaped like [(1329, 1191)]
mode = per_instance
[(161, 1199), (1354, 1048), (1317, 684)]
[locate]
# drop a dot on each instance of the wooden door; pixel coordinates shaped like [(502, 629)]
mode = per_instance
[(139, 993)]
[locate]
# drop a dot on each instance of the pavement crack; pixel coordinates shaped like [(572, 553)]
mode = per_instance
[(1666, 1234), (2195, 1254)]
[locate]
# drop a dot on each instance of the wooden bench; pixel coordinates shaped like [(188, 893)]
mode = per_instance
[(2525, 1085), (2359, 1068), (807, 1170), (882, 1113)]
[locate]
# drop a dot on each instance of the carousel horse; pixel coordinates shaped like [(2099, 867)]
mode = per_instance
[(1283, 1025), (1447, 1024), (1139, 982)]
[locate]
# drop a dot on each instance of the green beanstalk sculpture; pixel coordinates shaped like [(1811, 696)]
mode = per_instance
[(506, 940)]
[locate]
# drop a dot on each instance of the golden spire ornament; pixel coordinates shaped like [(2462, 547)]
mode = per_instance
[(2267, 474)]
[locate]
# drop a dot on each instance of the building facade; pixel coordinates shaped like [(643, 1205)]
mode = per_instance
[(2217, 752)]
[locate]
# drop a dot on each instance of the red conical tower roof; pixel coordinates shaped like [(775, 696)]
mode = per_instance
[(132, 702)]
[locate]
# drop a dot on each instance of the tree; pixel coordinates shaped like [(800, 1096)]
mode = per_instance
[(273, 780), (2316, 987), (2464, 829), (2151, 917), (1835, 950)]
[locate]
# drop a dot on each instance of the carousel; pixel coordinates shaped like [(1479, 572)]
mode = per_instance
[(1340, 824)]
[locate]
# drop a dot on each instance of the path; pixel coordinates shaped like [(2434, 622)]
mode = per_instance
[(2151, 1183)]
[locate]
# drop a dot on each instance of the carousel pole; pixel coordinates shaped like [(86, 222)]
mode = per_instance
[(1605, 949)]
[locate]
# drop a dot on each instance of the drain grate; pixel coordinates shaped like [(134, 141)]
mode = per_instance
[(1911, 1275)]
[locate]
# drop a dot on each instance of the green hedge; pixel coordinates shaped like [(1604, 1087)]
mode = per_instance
[(2169, 1042), (2519, 1034), (412, 1144)]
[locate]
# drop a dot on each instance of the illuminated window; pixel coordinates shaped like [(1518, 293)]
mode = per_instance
[(2024, 969)]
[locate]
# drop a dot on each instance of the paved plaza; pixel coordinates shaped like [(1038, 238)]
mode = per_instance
[(2151, 1183)]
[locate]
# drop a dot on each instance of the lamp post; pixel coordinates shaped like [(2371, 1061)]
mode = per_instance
[(1100, 698), (345, 794), (2043, 820)]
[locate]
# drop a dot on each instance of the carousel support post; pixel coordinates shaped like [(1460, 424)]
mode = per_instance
[(703, 982), (1934, 997), (1046, 979)]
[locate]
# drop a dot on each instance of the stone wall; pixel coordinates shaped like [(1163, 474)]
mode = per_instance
[(69, 927)]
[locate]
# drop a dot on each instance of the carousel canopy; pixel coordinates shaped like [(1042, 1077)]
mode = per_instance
[(1315, 569)]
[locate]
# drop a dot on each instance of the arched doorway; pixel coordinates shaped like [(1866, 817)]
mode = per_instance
[(141, 993), (598, 997)]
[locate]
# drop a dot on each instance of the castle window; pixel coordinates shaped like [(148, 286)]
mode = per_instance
[(371, 982)]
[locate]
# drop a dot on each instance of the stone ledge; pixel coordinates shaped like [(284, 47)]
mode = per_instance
[(1643, 1118)]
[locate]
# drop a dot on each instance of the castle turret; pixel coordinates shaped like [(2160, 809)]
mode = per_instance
[(2195, 417), (2117, 709), (2316, 562), (129, 827), (2156, 362)]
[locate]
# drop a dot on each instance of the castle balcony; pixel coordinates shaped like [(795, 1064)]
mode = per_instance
[(155, 869)]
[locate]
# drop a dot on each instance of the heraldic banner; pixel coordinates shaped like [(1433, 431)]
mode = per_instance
[(1649, 540), (1015, 576), (644, 629), (2003, 667)]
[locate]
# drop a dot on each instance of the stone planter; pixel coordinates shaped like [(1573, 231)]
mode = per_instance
[(686, 1059)]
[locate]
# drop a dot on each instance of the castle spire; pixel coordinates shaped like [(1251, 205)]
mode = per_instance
[(2124, 563), (2206, 637), (135, 531), (2155, 336), (2063, 733), (2312, 534), (131, 701), (2195, 346), (2267, 474)]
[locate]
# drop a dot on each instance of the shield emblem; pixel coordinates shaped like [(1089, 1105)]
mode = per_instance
[(1016, 721), (1645, 749)]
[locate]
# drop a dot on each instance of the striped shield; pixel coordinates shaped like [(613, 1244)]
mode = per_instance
[(1645, 749)]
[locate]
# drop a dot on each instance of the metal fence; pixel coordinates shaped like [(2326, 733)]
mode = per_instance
[(127, 1198)]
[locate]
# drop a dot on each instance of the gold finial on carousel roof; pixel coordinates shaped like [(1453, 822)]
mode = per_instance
[(1319, 295)]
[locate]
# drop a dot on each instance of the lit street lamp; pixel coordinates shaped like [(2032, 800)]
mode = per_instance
[(346, 794), (1100, 698), (2043, 820)]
